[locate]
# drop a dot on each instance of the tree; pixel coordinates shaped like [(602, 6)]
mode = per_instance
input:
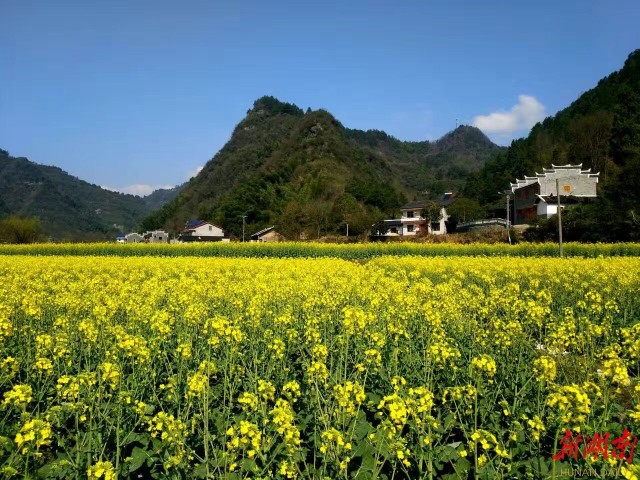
[(15, 229), (465, 210), (380, 228), (293, 221), (431, 212), (317, 214), (590, 137)]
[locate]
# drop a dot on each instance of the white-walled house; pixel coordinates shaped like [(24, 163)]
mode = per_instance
[(133, 237), (201, 231), (156, 236), (411, 222)]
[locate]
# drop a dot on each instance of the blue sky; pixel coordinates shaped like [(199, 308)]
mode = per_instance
[(137, 94)]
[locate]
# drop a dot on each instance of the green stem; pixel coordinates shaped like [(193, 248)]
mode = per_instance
[(555, 445)]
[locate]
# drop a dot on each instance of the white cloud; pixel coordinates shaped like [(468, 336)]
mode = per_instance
[(522, 116), (139, 189), (193, 173)]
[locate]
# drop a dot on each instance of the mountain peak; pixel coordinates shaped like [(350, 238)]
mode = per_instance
[(268, 106), (464, 138)]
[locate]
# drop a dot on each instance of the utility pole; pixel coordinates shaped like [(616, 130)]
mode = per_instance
[(508, 211), (507, 193), (347, 230), (243, 217), (508, 215), (559, 216)]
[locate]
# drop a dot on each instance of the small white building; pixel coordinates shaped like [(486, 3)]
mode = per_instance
[(120, 238), (133, 238), (201, 231), (411, 222), (156, 236)]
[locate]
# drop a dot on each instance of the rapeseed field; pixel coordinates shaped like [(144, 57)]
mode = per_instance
[(397, 367)]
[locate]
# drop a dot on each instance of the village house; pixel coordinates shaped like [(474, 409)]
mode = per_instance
[(121, 238), (268, 234), (133, 238), (537, 196), (202, 231), (412, 223), (156, 236)]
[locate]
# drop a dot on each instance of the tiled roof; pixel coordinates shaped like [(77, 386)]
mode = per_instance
[(414, 204), (564, 199), (263, 231), (393, 223), (546, 171), (193, 224), (446, 199)]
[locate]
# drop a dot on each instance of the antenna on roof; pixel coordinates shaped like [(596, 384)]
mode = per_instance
[(456, 123)]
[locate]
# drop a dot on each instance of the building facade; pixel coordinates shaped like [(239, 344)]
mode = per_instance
[(538, 196), (133, 238), (411, 221), (156, 236), (201, 231)]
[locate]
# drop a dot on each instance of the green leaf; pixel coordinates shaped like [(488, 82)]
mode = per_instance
[(462, 466), (138, 457), (248, 465), (362, 430), (141, 438), (367, 466), (59, 468), (450, 476), (374, 398), (448, 453), (200, 471)]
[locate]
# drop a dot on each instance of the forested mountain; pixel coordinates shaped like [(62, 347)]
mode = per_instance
[(69, 208), (161, 196), (311, 176), (433, 167), (601, 130)]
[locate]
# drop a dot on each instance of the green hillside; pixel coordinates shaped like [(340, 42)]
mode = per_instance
[(310, 176), (433, 167), (601, 130), (161, 196), (69, 208)]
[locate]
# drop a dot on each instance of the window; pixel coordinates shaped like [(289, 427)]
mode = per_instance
[(210, 228), (410, 227), (435, 226), (410, 214)]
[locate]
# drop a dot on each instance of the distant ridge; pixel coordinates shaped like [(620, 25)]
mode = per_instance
[(302, 171), (309, 175), (69, 208)]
